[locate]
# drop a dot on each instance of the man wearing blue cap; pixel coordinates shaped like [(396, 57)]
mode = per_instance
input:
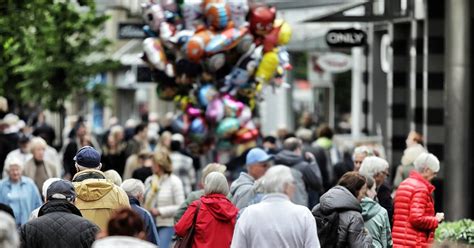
[(97, 197), (242, 189)]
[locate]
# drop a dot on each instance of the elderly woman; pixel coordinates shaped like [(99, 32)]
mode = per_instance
[(376, 218), (214, 214), (38, 168), (377, 168), (163, 195), (345, 198), (276, 221), (415, 220), (19, 192), (359, 154)]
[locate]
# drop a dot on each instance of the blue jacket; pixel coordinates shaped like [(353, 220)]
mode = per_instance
[(150, 227), (25, 202)]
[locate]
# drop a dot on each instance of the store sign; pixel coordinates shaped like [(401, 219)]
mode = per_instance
[(346, 38), (335, 62), (131, 31)]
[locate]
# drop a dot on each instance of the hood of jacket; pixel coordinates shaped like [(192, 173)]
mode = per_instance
[(243, 179), (370, 208), (91, 185), (220, 207), (288, 158), (339, 198), (58, 206)]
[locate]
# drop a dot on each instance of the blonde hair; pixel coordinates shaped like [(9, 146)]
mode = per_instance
[(163, 160), (212, 167), (37, 142), (113, 176)]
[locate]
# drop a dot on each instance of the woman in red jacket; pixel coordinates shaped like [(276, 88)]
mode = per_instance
[(414, 219), (216, 215)]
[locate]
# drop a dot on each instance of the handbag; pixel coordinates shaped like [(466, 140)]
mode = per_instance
[(187, 240)]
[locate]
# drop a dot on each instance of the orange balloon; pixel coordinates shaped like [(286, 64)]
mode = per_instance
[(195, 49)]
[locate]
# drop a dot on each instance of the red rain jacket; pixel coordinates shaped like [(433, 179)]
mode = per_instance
[(414, 220), (214, 224)]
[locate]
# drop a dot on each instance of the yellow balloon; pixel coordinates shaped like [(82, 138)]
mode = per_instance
[(284, 36), (267, 67)]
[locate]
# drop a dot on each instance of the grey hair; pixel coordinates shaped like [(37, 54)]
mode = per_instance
[(216, 183), (362, 150), (113, 176), (426, 160), (373, 165), (292, 144), (37, 142), (8, 232), (133, 187), (276, 179), (13, 161)]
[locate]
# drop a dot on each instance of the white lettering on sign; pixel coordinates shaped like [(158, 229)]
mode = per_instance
[(351, 38)]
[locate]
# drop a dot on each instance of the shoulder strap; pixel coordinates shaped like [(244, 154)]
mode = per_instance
[(196, 213)]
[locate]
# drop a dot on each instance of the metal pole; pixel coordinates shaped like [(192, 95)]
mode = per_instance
[(458, 195), (356, 105)]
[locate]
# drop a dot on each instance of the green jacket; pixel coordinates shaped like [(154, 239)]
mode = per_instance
[(377, 223)]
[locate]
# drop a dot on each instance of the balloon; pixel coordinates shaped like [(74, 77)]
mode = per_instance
[(261, 19), (245, 135), (226, 40), (227, 127), (198, 129), (239, 10), (192, 11), (153, 15), (215, 110), (206, 94), (267, 67), (169, 5), (232, 106), (149, 32), (216, 62), (217, 14), (284, 36), (155, 53), (193, 112), (180, 124), (195, 48), (245, 115)]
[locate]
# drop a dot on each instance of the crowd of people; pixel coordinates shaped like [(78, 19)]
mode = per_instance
[(127, 188)]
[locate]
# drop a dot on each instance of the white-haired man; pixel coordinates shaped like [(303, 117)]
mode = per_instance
[(377, 168), (276, 221), (359, 154), (135, 190), (415, 219)]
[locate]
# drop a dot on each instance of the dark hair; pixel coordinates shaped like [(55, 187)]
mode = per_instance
[(353, 182), (270, 139), (140, 127), (125, 222), (175, 146), (7, 209), (325, 131)]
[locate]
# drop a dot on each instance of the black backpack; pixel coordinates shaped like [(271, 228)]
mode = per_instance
[(328, 225)]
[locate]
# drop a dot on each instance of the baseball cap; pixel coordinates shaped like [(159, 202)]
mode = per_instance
[(257, 155), (61, 190), (88, 157)]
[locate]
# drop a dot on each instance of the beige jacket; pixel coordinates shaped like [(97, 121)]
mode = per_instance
[(97, 197), (30, 170)]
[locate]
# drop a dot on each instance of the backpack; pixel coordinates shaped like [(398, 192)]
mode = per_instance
[(327, 225)]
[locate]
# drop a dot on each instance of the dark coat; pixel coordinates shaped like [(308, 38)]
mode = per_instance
[(59, 224), (351, 231)]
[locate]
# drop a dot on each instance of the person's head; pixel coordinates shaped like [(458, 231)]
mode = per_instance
[(216, 183), (325, 131), (411, 153), (117, 133), (359, 155), (294, 145), (143, 156), (175, 146), (376, 168), (134, 188), (80, 129), (355, 183), (278, 179), (24, 142), (162, 163), (141, 131), (165, 139), (61, 190), (14, 169), (8, 231), (87, 158), (371, 189), (212, 167), (414, 138), (38, 147), (46, 184), (257, 162), (113, 176), (427, 165), (125, 222), (7, 209), (306, 135), (269, 142)]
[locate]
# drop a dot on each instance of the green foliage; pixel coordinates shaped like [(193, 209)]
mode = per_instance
[(461, 231), (49, 50)]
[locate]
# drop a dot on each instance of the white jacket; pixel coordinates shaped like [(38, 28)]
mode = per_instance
[(275, 222), (167, 199), (122, 242)]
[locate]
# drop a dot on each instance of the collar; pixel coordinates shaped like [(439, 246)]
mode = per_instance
[(58, 206), (133, 201), (417, 176), (22, 181), (275, 197), (88, 174)]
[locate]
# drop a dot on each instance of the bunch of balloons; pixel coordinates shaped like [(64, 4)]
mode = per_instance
[(213, 57)]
